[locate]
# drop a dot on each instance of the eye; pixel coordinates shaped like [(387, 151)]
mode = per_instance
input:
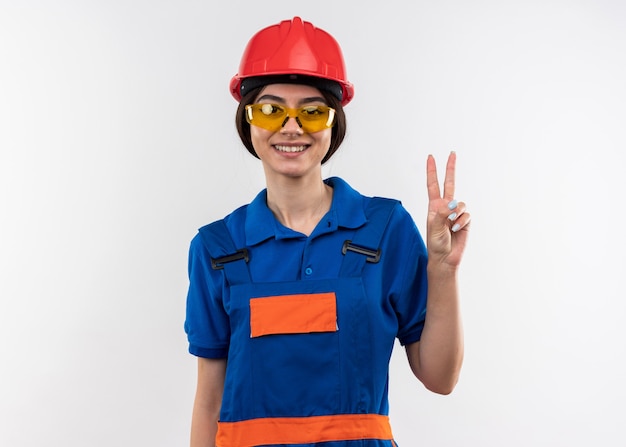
[(312, 110), (270, 109)]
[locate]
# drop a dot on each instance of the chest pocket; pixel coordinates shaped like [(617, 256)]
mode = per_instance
[(293, 314)]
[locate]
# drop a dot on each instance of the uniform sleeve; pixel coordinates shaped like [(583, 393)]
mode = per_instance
[(410, 302), (206, 323)]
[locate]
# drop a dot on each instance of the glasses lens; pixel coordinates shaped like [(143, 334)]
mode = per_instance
[(268, 116), (316, 118), (273, 117)]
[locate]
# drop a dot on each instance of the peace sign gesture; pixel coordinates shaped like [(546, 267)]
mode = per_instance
[(448, 221)]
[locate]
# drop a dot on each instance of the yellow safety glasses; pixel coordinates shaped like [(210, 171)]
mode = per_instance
[(273, 117)]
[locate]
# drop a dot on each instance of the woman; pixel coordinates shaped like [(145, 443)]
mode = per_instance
[(295, 300)]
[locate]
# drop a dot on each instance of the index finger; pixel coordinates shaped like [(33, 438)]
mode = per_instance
[(432, 183), (448, 183)]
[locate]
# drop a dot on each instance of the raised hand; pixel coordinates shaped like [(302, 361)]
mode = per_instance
[(447, 221)]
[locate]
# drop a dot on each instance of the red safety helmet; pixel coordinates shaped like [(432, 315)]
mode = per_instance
[(296, 48)]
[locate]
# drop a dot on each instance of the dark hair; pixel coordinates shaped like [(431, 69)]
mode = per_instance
[(338, 130)]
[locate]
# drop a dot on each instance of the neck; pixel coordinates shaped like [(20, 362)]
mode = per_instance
[(299, 204)]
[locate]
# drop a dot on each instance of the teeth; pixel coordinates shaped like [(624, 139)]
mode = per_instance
[(290, 148)]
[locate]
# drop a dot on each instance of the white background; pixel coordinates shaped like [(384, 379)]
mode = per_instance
[(117, 142)]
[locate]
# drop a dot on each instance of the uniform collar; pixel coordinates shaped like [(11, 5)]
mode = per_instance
[(347, 211)]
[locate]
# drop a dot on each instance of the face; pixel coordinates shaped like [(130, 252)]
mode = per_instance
[(290, 151)]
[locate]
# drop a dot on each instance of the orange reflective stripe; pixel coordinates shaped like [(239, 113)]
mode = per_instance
[(303, 430), (293, 314)]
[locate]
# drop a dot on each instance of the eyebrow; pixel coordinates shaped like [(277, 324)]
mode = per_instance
[(282, 100)]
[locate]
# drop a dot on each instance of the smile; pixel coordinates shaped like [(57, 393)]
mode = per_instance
[(290, 148)]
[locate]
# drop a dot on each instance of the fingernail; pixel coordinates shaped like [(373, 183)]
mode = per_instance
[(456, 228), (453, 204), (452, 216)]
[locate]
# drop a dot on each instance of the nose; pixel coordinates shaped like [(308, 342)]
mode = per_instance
[(291, 125)]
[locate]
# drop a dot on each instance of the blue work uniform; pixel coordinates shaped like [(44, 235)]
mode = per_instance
[(307, 324)]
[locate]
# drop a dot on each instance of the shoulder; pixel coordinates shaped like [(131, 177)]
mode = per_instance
[(401, 231), (397, 213), (221, 232), (231, 221)]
